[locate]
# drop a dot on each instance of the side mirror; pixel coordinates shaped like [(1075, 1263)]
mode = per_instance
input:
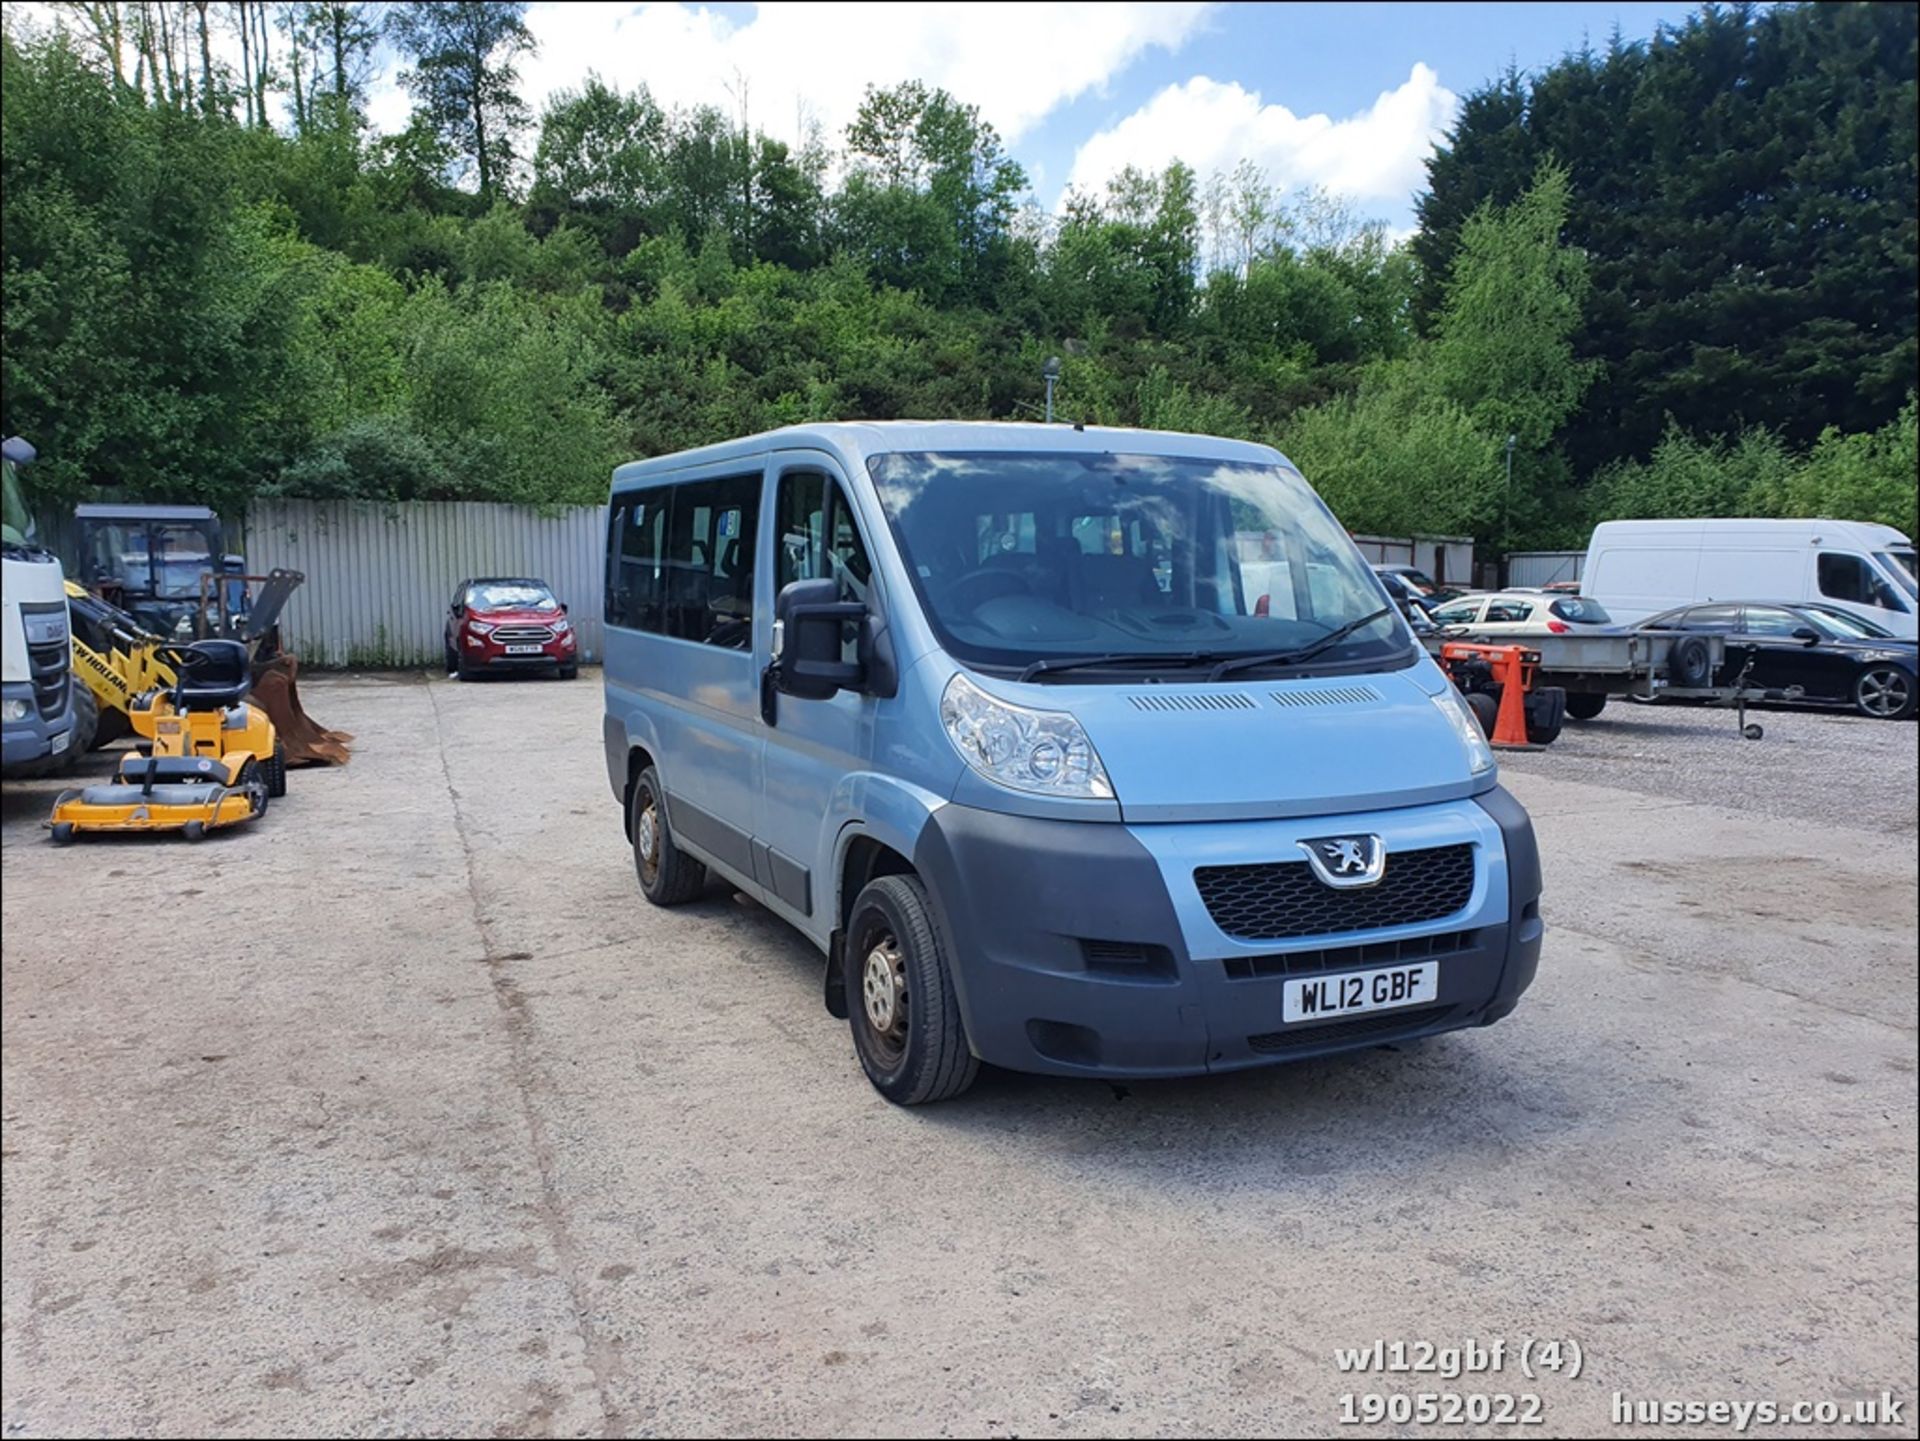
[(457, 608), (807, 620), (563, 607), (1808, 634)]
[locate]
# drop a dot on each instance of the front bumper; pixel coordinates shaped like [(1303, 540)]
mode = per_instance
[(560, 651), (1084, 949), (35, 737)]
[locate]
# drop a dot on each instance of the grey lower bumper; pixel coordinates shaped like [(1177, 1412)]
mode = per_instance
[(33, 738), (1068, 957)]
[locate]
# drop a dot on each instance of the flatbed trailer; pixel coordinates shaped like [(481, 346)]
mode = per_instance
[(1645, 665)]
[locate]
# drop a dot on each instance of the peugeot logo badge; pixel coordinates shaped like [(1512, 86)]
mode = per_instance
[(1347, 862)]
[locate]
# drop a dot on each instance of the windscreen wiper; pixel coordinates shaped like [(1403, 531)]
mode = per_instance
[(1294, 657), (1132, 658)]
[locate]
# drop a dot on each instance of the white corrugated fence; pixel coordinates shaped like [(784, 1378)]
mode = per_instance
[(381, 576), (1544, 567)]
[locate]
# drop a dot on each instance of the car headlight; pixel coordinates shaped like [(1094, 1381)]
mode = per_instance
[(478, 629), (562, 626), (16, 710), (1025, 750), (1454, 708)]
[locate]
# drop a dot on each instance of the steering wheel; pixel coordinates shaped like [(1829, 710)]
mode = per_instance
[(183, 657), (996, 579)]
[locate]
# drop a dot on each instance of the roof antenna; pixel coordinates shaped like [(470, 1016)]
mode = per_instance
[(1051, 371), (1080, 424)]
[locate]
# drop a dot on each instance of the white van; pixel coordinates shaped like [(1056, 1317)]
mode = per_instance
[(1638, 568)]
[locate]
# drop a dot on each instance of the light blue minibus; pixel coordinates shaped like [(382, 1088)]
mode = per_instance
[(1081, 751)]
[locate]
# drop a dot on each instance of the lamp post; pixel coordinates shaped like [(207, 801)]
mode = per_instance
[(1506, 510), (1051, 370)]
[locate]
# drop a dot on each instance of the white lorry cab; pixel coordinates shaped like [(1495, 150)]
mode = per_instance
[(1638, 568), (37, 693)]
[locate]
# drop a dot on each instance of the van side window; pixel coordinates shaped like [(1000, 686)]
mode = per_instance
[(809, 505), (707, 563), (636, 526), (1847, 577)]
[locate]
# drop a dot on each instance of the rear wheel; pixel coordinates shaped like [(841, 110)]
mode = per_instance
[(1583, 705), (1885, 693), (668, 876), (252, 782), (194, 830), (274, 770), (905, 1017), (63, 833)]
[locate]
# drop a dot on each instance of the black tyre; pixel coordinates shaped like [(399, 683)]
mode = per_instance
[(1690, 663), (570, 672), (1884, 692), (86, 726), (252, 783), (901, 1006), (194, 830), (63, 833), (274, 770), (1585, 705), (1485, 709), (453, 659), (1546, 714), (668, 876)]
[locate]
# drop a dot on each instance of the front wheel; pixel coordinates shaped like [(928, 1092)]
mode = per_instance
[(668, 875), (901, 1004), (1585, 705), (274, 770), (1884, 693), (570, 672)]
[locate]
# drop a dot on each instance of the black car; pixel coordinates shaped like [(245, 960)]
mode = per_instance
[(1836, 657)]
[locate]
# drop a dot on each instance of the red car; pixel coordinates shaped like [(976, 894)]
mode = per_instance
[(502, 624)]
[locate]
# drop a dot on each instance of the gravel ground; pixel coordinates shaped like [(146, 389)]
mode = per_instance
[(403, 1114), (1828, 767)]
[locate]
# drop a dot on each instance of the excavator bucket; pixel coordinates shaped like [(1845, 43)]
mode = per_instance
[(307, 742)]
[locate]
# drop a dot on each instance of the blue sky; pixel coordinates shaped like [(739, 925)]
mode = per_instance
[(1336, 60)]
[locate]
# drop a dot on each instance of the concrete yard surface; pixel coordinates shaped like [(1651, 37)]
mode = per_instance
[(400, 1111)]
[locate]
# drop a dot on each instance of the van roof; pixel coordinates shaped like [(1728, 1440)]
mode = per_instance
[(1871, 531), (854, 441)]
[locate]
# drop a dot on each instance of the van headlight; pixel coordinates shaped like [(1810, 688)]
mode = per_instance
[(1479, 753), (18, 710), (1044, 751)]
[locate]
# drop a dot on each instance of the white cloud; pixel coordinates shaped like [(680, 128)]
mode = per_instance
[(1374, 157), (1017, 62)]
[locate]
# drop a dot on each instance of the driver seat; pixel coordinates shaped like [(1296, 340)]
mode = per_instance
[(219, 681)]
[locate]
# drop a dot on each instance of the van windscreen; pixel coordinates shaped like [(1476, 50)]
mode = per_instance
[(1168, 561)]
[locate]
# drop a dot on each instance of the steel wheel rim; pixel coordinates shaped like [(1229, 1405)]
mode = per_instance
[(1883, 693), (646, 835), (883, 995)]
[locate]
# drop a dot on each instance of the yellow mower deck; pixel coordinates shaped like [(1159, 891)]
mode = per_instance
[(214, 759)]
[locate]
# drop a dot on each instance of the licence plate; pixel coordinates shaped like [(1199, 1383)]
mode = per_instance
[(525, 649), (1315, 998)]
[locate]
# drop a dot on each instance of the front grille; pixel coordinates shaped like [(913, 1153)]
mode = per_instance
[(1285, 898), (522, 634), (1270, 1043), (48, 665), (1347, 958)]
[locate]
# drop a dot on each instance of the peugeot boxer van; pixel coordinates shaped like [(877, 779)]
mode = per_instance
[(1638, 568), (1089, 752)]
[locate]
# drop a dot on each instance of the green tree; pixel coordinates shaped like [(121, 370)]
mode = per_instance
[(1503, 350), (463, 78)]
